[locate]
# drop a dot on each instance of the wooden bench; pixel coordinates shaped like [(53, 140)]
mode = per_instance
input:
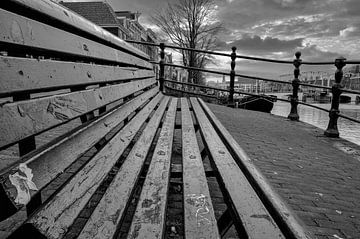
[(119, 143)]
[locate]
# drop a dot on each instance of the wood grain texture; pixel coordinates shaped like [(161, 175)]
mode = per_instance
[(199, 214), (281, 208), (256, 220), (47, 164), (55, 11), (25, 118), (103, 222), (19, 30), (56, 216), (22, 74), (149, 218)]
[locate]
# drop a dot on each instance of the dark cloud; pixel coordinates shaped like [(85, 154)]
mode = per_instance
[(314, 53), (273, 70), (257, 45), (289, 4), (352, 7), (311, 26), (243, 13)]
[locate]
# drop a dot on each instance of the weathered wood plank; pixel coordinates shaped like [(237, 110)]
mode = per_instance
[(149, 218), (28, 144), (47, 164), (110, 210), (22, 119), (284, 213), (256, 220), (22, 74), (199, 214), (55, 11), (22, 31), (56, 216)]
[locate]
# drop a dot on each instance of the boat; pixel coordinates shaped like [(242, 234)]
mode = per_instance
[(345, 99), (323, 97), (316, 97), (257, 103)]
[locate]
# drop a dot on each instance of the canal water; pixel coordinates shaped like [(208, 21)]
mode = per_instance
[(348, 130)]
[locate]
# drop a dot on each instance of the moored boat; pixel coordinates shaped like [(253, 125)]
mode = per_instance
[(345, 99), (257, 103)]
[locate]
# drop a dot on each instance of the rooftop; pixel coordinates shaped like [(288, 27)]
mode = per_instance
[(99, 12)]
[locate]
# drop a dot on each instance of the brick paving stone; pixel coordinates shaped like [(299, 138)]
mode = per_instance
[(319, 181)]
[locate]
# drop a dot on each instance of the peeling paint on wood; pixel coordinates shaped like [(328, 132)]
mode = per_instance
[(16, 32), (22, 181)]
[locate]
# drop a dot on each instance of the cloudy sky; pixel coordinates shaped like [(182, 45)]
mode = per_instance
[(320, 29)]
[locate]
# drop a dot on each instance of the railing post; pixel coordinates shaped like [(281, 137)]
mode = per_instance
[(295, 84), (232, 78), (162, 67), (332, 129)]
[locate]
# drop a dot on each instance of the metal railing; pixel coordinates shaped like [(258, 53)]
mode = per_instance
[(336, 89)]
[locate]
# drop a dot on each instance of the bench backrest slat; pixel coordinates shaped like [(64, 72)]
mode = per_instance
[(25, 118), (112, 207), (20, 31), (57, 15), (255, 218), (32, 75), (149, 217)]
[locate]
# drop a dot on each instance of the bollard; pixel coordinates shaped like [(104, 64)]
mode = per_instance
[(295, 84), (332, 129), (232, 78), (162, 67)]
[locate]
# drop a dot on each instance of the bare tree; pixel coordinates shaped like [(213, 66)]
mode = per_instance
[(190, 24)]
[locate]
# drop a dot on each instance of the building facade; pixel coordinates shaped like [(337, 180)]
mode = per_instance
[(130, 21), (123, 24)]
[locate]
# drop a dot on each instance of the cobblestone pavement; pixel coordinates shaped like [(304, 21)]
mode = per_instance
[(318, 177)]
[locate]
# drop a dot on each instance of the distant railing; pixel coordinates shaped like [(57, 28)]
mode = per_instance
[(336, 89)]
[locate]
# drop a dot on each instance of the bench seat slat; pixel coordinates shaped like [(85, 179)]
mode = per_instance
[(256, 220), (21, 31), (53, 10), (22, 74), (199, 214), (149, 218), (289, 220), (56, 216), (47, 164), (110, 210), (25, 118)]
